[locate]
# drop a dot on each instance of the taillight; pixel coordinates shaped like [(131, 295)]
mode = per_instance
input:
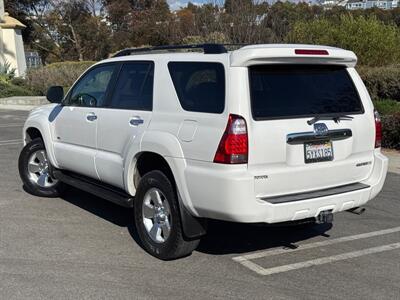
[(378, 130), (311, 52), (233, 147)]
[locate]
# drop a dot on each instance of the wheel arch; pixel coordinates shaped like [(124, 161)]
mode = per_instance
[(146, 162), (36, 128), (32, 133), (163, 151), (159, 144)]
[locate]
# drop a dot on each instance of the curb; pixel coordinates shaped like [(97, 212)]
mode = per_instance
[(24, 100), (26, 103), (394, 160), (17, 107)]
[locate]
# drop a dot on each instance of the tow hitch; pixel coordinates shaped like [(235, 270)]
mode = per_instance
[(357, 210), (325, 216)]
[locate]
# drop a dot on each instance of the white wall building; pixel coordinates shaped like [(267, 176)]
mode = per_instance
[(11, 43), (365, 4)]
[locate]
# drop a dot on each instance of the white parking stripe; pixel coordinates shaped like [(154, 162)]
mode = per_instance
[(322, 261), (317, 244), (11, 125), (6, 144), (11, 141)]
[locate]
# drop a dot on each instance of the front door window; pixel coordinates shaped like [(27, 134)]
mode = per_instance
[(91, 90)]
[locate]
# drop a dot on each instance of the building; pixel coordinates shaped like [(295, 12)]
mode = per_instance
[(365, 4), (33, 59), (328, 4), (11, 44)]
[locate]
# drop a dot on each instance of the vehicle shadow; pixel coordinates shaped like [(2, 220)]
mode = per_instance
[(235, 238), (104, 209), (222, 237)]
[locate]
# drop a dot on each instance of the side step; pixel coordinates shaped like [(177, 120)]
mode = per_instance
[(95, 187)]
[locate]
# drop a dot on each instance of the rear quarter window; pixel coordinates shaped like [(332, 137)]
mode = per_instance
[(291, 91), (200, 86)]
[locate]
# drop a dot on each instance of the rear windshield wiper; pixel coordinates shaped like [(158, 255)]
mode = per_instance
[(336, 118)]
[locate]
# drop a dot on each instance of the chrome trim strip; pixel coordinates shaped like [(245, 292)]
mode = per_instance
[(305, 137)]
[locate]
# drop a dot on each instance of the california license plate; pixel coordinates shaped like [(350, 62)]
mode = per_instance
[(318, 151)]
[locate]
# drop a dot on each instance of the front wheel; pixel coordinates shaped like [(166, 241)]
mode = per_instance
[(34, 170), (158, 220)]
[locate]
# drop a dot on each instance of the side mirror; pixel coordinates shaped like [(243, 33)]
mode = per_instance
[(55, 94)]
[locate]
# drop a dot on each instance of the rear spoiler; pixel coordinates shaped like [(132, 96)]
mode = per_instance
[(291, 54)]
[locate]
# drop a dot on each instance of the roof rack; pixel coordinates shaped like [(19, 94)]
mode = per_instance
[(207, 48)]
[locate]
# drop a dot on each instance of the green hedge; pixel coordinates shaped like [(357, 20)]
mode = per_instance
[(387, 107), (374, 42), (382, 82), (391, 131), (62, 73), (9, 89), (390, 115)]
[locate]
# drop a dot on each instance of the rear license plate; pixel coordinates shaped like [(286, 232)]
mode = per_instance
[(318, 151)]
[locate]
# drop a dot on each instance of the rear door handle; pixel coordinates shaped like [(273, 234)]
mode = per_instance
[(136, 121), (91, 117)]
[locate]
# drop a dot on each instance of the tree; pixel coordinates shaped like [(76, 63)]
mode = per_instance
[(64, 30)]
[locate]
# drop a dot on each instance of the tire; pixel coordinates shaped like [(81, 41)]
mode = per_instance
[(33, 157), (165, 245)]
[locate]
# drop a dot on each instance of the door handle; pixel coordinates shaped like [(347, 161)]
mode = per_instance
[(91, 117), (136, 121)]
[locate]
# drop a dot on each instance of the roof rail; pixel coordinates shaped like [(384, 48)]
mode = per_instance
[(207, 48)]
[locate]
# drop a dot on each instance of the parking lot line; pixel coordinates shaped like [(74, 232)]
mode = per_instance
[(324, 260), (11, 125), (316, 244), (15, 143), (10, 142)]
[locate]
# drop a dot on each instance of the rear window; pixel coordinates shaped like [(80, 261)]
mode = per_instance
[(289, 91), (200, 86)]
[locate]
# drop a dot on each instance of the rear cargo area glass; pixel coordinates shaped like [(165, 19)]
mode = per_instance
[(289, 91)]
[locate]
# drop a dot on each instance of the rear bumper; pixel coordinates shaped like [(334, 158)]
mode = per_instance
[(228, 194)]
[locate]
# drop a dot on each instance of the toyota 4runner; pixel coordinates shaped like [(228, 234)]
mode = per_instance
[(261, 134)]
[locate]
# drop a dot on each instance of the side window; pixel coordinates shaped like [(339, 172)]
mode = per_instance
[(90, 91), (134, 88), (200, 86)]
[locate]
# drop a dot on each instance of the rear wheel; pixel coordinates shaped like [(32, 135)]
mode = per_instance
[(34, 170), (158, 220)]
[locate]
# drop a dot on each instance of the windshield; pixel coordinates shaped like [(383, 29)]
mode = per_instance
[(289, 91)]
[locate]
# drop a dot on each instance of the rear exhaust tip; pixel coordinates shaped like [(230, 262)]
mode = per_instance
[(357, 210), (325, 216)]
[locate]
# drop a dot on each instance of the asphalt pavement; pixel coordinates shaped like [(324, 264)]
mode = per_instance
[(81, 246)]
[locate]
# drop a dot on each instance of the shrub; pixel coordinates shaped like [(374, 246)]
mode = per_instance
[(382, 82), (10, 90), (387, 107), (374, 42), (18, 81), (6, 71), (391, 131), (63, 73)]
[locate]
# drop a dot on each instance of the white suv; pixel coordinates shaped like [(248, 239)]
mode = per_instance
[(262, 134)]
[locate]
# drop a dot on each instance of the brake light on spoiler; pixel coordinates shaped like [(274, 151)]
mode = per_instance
[(311, 52)]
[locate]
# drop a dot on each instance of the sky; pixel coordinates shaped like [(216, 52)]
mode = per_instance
[(176, 4)]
